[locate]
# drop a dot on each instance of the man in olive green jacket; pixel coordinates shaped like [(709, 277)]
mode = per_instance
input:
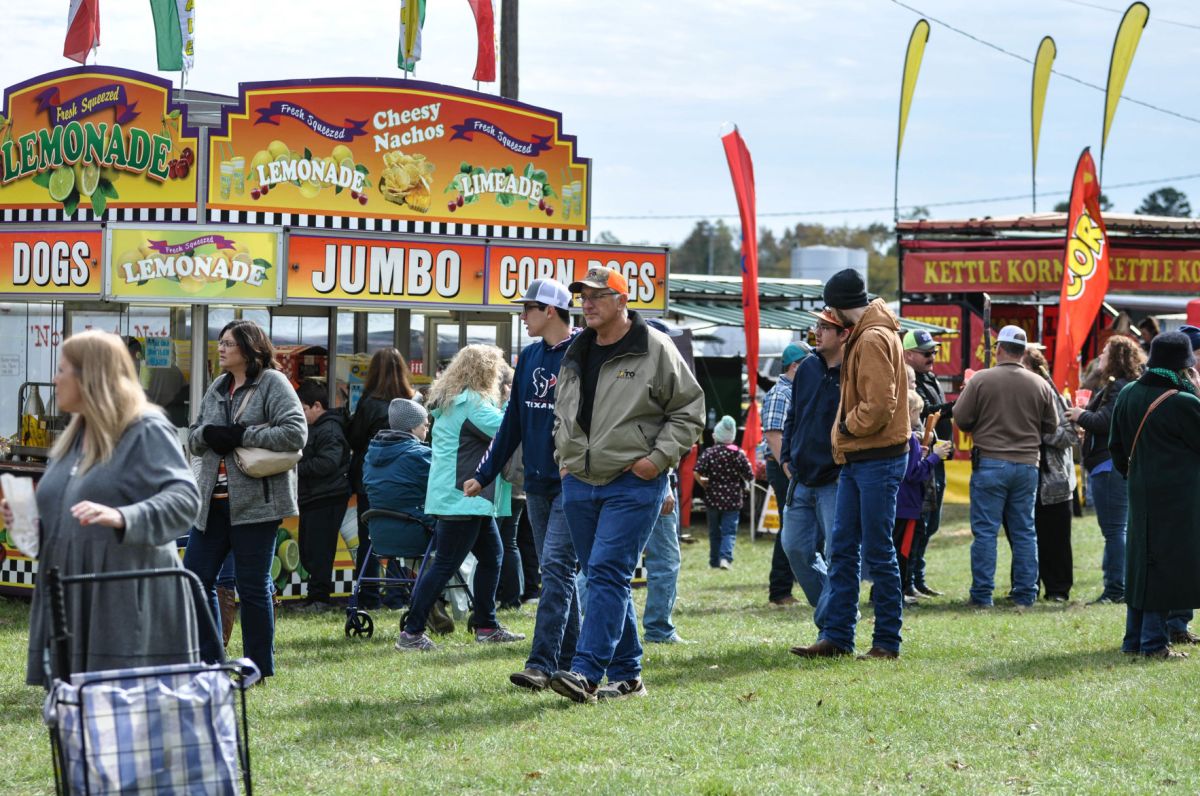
[(627, 408)]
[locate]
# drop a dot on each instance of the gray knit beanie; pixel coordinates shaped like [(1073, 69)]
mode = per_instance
[(405, 414)]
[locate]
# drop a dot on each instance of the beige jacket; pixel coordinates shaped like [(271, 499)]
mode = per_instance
[(873, 413), (647, 404)]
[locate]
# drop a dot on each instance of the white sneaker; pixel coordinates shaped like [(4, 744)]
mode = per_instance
[(621, 689), (725, 563)]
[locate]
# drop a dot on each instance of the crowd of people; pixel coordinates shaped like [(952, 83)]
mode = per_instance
[(582, 438)]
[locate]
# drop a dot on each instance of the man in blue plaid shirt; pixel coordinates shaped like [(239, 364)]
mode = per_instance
[(777, 405)]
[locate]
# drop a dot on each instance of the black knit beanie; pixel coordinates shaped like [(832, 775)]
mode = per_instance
[(1171, 351), (845, 290)]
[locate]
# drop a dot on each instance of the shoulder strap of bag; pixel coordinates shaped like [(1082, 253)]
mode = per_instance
[(1152, 407), (245, 401)]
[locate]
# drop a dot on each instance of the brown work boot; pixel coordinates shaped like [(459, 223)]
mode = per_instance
[(879, 652), (227, 600), (822, 649)]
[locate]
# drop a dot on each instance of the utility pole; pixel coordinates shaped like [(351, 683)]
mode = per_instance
[(508, 49)]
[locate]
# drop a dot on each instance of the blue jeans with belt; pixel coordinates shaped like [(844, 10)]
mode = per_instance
[(1003, 491), (610, 525)]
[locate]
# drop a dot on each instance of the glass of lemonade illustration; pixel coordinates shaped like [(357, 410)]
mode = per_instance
[(577, 196), (226, 178), (239, 174), (566, 202)]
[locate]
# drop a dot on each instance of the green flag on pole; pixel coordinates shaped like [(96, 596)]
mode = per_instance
[(174, 33)]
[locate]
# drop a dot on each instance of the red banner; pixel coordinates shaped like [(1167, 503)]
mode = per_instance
[(741, 169), (947, 361), (1085, 279)]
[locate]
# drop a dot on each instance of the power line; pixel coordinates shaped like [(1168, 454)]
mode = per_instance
[(1157, 19), (850, 210), (1022, 58)]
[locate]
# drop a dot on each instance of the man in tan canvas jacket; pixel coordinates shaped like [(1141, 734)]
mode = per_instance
[(870, 441), (627, 409)]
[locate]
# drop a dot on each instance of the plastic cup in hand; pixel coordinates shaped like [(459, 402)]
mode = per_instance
[(1082, 397)]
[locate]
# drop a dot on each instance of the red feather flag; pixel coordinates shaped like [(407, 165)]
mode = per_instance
[(485, 29), (83, 29), (741, 169), (1085, 272)]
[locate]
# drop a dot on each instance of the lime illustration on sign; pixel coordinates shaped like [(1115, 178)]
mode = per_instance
[(380, 148), (178, 263), (68, 138)]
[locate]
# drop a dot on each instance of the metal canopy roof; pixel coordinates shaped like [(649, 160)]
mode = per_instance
[(730, 314), (688, 286)]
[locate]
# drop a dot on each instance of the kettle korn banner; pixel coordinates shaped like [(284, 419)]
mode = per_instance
[(396, 149), (86, 144)]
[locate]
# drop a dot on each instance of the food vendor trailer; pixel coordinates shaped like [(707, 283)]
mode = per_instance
[(340, 214), (976, 275)]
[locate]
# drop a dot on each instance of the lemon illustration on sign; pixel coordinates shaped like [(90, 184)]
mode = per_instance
[(310, 189), (277, 148), (87, 177), (130, 258), (62, 182), (109, 173), (341, 153), (261, 158)]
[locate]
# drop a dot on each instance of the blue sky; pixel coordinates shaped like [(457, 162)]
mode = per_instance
[(812, 84)]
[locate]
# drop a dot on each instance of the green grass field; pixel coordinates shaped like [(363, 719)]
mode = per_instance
[(980, 702)]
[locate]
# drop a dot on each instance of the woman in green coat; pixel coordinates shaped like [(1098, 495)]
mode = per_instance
[(1162, 464)]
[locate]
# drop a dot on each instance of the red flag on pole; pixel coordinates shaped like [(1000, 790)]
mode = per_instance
[(1085, 272), (742, 171), (83, 29), (485, 29)]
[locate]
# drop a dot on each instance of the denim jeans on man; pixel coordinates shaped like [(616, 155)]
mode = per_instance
[(252, 546), (453, 540), (610, 525), (807, 538), (556, 626), (722, 533), (1003, 491), (1111, 496), (1178, 621), (1145, 631), (662, 577), (779, 582), (862, 534)]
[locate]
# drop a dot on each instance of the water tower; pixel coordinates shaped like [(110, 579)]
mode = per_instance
[(822, 262)]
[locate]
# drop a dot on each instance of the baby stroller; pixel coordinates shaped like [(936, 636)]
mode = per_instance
[(151, 729), (395, 535)]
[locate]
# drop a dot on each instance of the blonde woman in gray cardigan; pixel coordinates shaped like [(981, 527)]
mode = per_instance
[(116, 495), (250, 404)]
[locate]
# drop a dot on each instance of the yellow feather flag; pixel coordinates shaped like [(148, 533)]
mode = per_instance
[(912, 67), (1042, 65), (1124, 47), (412, 19)]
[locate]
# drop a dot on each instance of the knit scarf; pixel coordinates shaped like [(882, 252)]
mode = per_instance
[(1173, 377)]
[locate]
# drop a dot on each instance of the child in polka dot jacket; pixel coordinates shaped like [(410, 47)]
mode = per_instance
[(723, 471)]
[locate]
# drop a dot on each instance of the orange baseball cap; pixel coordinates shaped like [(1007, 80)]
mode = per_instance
[(600, 277), (828, 317)]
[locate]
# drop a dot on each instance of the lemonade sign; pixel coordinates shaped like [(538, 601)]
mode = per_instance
[(95, 138), (396, 149), (194, 265)]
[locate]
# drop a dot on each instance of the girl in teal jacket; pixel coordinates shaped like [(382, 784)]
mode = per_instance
[(465, 406)]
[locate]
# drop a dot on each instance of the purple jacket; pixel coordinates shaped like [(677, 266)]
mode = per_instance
[(912, 488)]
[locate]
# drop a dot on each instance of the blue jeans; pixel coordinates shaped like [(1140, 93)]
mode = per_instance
[(1145, 631), (454, 539), (662, 576), (252, 546), (862, 533), (933, 521), (1003, 491), (1110, 493), (1177, 621), (610, 525), (556, 626), (807, 531), (722, 533)]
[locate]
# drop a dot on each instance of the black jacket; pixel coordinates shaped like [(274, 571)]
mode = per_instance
[(1096, 420), (323, 472), (370, 417), (930, 390)]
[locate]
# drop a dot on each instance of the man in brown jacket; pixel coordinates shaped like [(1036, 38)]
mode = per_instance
[(870, 441), (1007, 409)]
